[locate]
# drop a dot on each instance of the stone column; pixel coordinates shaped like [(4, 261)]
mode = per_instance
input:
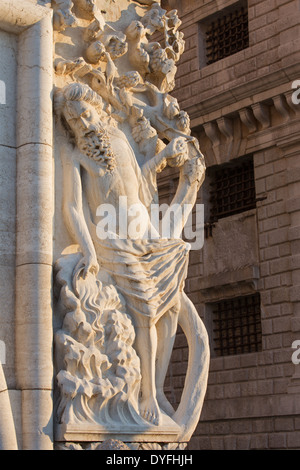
[(34, 365)]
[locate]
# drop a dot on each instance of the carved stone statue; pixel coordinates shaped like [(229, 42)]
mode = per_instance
[(120, 293)]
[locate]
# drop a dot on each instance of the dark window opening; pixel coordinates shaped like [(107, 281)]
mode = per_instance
[(232, 188), (237, 325), (224, 33)]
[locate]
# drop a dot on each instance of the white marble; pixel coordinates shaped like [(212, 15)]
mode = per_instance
[(37, 427), (34, 118), (115, 303), (35, 207), (34, 352), (113, 101)]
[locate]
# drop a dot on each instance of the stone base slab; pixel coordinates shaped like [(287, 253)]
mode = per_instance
[(167, 432)]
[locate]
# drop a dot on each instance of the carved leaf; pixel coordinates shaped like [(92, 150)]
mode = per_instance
[(150, 446), (175, 446)]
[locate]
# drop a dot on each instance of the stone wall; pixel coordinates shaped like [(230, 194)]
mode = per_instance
[(274, 46), (242, 105)]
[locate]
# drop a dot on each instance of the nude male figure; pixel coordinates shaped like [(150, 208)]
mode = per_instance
[(98, 170)]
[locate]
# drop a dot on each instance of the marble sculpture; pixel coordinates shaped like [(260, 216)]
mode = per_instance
[(120, 296)]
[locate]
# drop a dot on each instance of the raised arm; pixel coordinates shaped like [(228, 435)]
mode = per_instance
[(191, 177), (174, 154), (73, 214)]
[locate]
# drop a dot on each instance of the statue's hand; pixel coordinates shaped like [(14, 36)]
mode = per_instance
[(194, 170), (88, 263), (176, 152), (143, 55)]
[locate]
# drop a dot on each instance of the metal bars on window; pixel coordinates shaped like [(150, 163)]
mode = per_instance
[(237, 325), (232, 189), (227, 35)]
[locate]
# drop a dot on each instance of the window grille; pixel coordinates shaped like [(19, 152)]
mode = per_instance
[(237, 325), (232, 189), (227, 35)]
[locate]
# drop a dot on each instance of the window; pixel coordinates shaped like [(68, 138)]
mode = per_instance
[(232, 188), (224, 34), (236, 325)]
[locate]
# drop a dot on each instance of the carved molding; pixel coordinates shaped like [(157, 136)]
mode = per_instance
[(225, 126), (248, 119), (212, 132), (282, 107), (262, 113), (246, 91), (256, 119), (116, 445)]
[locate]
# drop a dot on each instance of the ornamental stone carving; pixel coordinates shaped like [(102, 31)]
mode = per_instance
[(119, 281)]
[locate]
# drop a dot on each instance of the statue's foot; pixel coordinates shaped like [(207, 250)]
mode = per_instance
[(150, 411), (164, 403)]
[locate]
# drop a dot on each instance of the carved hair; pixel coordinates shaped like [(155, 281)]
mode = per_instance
[(74, 92), (81, 92)]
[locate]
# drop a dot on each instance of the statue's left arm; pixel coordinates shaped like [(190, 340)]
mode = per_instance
[(73, 213)]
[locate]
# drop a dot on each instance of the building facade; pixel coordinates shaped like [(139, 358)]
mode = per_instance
[(238, 80)]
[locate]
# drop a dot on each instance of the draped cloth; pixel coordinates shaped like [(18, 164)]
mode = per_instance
[(148, 273)]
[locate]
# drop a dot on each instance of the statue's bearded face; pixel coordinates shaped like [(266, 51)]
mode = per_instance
[(82, 118), (91, 138)]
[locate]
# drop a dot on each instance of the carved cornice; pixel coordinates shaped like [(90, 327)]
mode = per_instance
[(248, 119), (258, 123), (245, 94)]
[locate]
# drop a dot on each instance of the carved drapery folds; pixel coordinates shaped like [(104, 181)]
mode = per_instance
[(118, 299)]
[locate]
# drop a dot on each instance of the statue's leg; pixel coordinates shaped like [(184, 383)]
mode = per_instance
[(146, 347), (188, 412), (166, 332)]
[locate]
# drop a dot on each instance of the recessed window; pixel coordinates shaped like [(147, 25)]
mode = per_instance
[(236, 325), (224, 34), (232, 188)]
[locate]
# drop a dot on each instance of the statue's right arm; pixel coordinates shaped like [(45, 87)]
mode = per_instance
[(73, 212)]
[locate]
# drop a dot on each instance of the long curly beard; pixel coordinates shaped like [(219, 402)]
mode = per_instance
[(96, 146)]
